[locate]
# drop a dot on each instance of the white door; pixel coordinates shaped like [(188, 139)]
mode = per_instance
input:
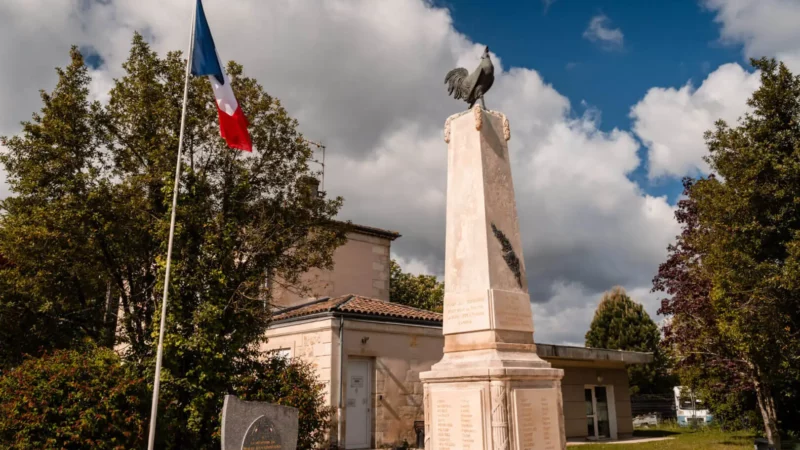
[(600, 412), (357, 407)]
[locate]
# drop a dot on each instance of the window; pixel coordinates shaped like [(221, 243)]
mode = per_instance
[(285, 353)]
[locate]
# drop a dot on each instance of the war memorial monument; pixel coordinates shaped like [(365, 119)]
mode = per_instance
[(490, 390)]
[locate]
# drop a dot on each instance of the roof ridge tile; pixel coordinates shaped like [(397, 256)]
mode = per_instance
[(357, 304)]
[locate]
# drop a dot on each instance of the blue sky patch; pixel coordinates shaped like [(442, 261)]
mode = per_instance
[(604, 53)]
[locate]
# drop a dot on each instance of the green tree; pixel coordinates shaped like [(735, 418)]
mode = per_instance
[(52, 284), (703, 360), (746, 244), (720, 391), (622, 324), (419, 291), (86, 230)]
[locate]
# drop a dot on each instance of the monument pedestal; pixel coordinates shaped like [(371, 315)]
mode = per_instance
[(490, 390)]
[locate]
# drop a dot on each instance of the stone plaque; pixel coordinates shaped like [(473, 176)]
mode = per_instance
[(466, 312), (457, 419), (258, 426), (511, 311), (536, 419), (262, 435)]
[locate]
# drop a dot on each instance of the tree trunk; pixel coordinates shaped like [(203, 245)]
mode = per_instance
[(768, 413), (110, 317)]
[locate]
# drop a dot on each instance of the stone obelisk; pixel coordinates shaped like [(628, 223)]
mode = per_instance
[(490, 390)]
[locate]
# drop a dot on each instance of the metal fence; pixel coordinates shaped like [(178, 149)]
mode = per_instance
[(661, 405)]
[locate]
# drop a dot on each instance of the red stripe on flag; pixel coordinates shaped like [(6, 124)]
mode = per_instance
[(234, 129)]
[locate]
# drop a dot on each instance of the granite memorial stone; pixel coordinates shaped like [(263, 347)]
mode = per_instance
[(258, 425)]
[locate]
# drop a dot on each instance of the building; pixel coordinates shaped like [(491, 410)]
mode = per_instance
[(361, 266), (369, 353)]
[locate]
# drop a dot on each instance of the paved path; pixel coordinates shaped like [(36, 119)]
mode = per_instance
[(620, 441)]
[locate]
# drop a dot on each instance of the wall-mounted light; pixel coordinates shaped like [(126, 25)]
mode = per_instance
[(364, 339), (599, 379)]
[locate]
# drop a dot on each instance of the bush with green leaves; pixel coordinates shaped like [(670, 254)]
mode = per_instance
[(72, 399), (291, 382)]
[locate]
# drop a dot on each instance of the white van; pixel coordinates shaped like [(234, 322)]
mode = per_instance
[(690, 410)]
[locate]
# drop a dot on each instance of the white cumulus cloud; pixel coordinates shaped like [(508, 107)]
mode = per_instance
[(764, 27), (600, 30), (671, 122), (366, 78)]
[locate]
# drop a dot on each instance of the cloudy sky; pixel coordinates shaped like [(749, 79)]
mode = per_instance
[(607, 101)]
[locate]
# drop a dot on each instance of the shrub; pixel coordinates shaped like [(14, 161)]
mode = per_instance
[(72, 400), (291, 382)]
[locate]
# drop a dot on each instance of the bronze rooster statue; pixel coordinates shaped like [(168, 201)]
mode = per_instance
[(471, 87)]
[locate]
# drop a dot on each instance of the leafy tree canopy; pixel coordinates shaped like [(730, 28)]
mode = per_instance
[(419, 291), (622, 324), (733, 273), (85, 231)]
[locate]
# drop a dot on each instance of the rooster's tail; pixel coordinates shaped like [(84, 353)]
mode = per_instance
[(455, 82)]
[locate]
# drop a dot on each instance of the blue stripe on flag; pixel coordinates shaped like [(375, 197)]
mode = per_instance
[(204, 56)]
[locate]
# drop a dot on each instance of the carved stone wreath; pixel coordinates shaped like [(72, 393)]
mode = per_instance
[(509, 256)]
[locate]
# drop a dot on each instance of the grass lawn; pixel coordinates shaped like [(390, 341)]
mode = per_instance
[(684, 439)]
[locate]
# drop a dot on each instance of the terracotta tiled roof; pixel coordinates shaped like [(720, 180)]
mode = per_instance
[(357, 305)]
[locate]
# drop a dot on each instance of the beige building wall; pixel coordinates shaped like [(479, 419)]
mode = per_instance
[(398, 354), (311, 342), (577, 376), (361, 254)]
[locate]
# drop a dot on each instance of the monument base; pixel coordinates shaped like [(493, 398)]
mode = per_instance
[(491, 399)]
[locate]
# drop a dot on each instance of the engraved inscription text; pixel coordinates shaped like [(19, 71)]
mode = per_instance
[(466, 313), (536, 420), (457, 423)]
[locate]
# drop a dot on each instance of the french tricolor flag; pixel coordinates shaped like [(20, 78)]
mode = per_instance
[(205, 61)]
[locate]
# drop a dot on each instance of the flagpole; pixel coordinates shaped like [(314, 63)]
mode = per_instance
[(160, 353)]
